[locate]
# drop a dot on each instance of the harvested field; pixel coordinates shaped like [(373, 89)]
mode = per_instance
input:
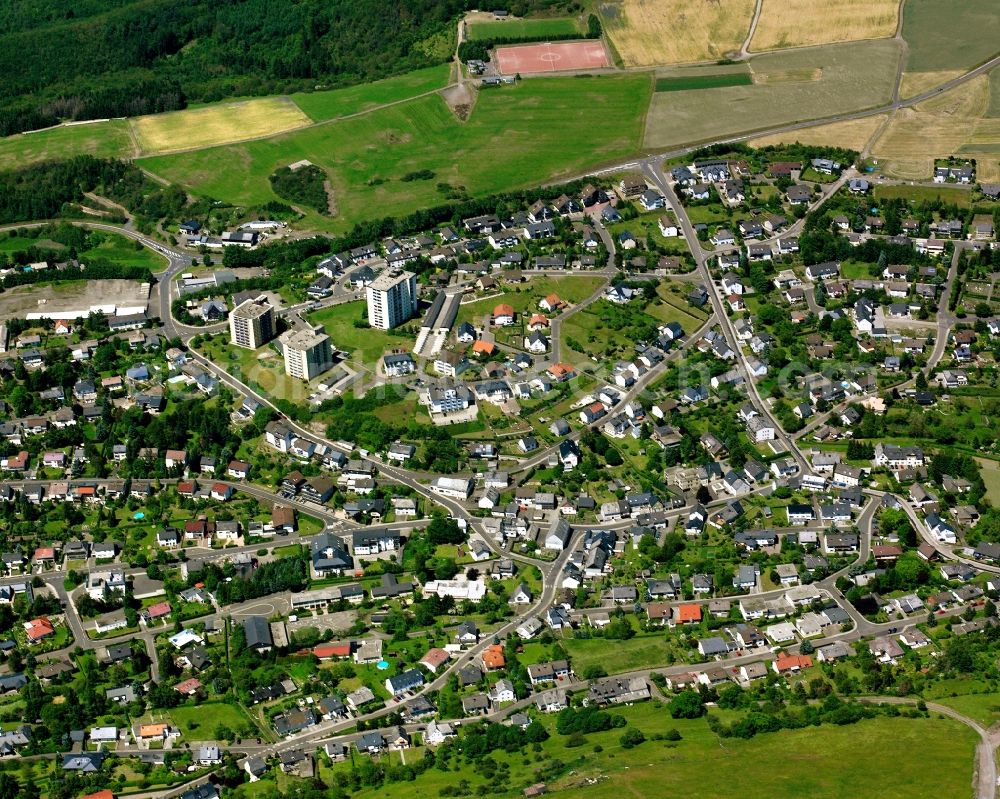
[(652, 32), (792, 23), (534, 59), (915, 83), (854, 76), (939, 127), (853, 134), (222, 123)]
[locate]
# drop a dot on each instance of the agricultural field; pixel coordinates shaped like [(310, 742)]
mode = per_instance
[(955, 122), (790, 762), (696, 82), (102, 139), (336, 103), (652, 32), (788, 87), (794, 23), (219, 123), (933, 31), (852, 133), (478, 30), (517, 136)]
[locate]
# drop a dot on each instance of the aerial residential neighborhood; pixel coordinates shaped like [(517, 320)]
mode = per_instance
[(615, 457)]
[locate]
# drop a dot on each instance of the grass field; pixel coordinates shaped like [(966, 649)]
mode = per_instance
[(990, 470), (934, 30), (651, 32), (102, 139), (950, 123), (824, 762), (789, 87), (335, 103), (949, 194), (518, 136), (370, 343), (570, 289), (984, 708), (522, 28), (198, 722), (696, 82), (792, 23), (122, 250), (219, 123), (853, 134), (915, 83)]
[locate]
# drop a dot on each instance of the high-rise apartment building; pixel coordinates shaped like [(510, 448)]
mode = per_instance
[(392, 299), (307, 353), (251, 324)]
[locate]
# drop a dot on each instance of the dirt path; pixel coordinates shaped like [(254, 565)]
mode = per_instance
[(745, 49)]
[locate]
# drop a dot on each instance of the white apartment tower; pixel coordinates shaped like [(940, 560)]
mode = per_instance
[(251, 324), (307, 353), (392, 299)]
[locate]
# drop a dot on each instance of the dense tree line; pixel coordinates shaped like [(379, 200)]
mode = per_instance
[(73, 60), (42, 190), (305, 186), (284, 574)]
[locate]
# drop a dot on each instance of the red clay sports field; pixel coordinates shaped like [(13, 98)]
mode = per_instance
[(555, 57)]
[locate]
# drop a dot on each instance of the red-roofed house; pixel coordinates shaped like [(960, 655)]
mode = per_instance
[(687, 614), (561, 372), (175, 457), (503, 315), (551, 303), (221, 492), (158, 611), (105, 794), (328, 651), (791, 663), (188, 687), (238, 470), (63, 328), (187, 488), (484, 348), (493, 658), (434, 659), (39, 629), (15, 463), (44, 555), (538, 322)]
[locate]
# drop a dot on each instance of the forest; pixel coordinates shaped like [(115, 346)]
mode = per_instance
[(65, 59)]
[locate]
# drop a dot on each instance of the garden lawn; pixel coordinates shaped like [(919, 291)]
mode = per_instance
[(641, 652), (198, 722), (369, 342)]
